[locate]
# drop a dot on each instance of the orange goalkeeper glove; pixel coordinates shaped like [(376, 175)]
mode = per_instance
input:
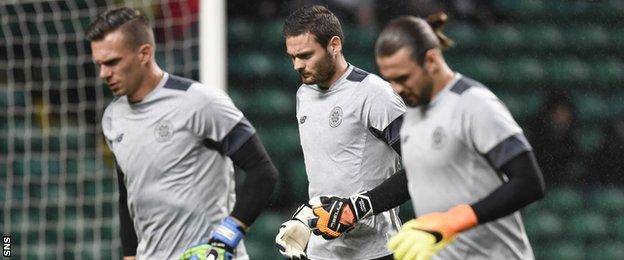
[(424, 236), (335, 215)]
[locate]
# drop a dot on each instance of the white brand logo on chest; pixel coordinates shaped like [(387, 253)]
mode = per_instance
[(335, 117), (163, 131)]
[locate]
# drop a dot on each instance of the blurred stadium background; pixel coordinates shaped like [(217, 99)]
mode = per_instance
[(556, 64)]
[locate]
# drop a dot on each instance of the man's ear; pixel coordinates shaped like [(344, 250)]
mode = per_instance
[(334, 46), (431, 62), (145, 53)]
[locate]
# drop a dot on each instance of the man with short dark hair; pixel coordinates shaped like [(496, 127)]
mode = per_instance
[(348, 121), (175, 142)]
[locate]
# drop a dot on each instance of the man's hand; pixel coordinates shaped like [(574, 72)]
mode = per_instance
[(422, 237), (206, 252), (221, 245), (337, 215), (294, 234)]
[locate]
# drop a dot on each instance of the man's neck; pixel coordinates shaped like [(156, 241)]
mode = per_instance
[(341, 68), (149, 83), (439, 82)]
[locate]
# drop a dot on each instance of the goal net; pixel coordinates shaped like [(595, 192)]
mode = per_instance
[(58, 192)]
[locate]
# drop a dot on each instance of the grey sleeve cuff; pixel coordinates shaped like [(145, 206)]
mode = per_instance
[(390, 135), (507, 150), (234, 139)]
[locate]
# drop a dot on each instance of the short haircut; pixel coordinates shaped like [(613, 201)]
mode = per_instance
[(131, 22), (418, 34), (316, 20)]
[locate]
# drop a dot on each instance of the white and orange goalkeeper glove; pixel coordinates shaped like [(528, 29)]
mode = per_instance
[(424, 236), (294, 234), (336, 215)]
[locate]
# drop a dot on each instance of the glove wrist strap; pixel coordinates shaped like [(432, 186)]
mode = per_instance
[(361, 206), (230, 233)]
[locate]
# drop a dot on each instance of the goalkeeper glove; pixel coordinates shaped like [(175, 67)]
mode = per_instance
[(337, 215), (294, 234), (424, 236), (221, 244)]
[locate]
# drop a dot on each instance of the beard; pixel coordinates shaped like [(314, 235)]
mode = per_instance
[(425, 95), (421, 98), (325, 70)]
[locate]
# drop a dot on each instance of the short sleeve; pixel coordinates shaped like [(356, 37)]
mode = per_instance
[(490, 122), (384, 107), (214, 117)]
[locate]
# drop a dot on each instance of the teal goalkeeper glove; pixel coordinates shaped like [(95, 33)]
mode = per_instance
[(221, 244)]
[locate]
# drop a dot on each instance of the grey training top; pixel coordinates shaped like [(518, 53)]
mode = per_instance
[(445, 146), (344, 157), (178, 187)]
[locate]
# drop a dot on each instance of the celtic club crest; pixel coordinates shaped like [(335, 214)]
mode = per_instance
[(335, 117), (438, 138), (163, 131)]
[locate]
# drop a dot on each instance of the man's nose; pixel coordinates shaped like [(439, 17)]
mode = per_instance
[(105, 72), (298, 64)]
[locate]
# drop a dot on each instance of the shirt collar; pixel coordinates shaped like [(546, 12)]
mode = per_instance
[(446, 89), (338, 82)]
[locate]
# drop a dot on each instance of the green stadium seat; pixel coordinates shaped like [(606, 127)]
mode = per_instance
[(250, 64), (280, 141), (298, 180), (69, 234), (563, 251), (591, 106), (18, 193), (608, 200), (51, 236), (502, 38), (568, 71), (465, 35), (240, 31), (266, 226), (32, 237), (587, 38), (238, 96), (480, 68), (71, 166), (607, 250), (35, 190), (587, 226), (617, 227), (362, 60), (590, 137), (261, 249), (563, 200), (607, 73), (522, 73), (542, 38), (13, 98), (543, 225), (406, 211), (271, 35), (526, 10), (360, 38), (522, 104), (273, 102), (109, 184), (52, 212)]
